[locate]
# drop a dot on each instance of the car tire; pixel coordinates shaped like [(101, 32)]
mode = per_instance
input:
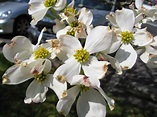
[(21, 26)]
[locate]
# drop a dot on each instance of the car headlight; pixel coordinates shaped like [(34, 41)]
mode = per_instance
[(5, 14)]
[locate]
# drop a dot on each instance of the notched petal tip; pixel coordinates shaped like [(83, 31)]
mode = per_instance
[(62, 113), (5, 80), (125, 67), (120, 73), (61, 79), (64, 94), (112, 106)]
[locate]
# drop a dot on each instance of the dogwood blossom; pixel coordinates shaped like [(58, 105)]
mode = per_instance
[(39, 8), (91, 97), (79, 57), (78, 27), (21, 49), (128, 37)]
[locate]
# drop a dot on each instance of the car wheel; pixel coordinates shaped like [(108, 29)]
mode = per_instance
[(21, 26)]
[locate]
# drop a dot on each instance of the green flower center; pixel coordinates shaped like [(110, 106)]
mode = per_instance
[(49, 3), (41, 53), (81, 55), (127, 37), (74, 24), (83, 88), (70, 10), (40, 77), (71, 32)]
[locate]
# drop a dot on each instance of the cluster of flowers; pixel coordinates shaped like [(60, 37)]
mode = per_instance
[(78, 47)]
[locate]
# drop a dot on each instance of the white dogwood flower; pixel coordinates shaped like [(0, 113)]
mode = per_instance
[(128, 37), (39, 70), (80, 57), (39, 8), (78, 27), (69, 12), (91, 99), (22, 49)]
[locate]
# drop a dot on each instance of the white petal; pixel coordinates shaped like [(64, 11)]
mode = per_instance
[(58, 87), (114, 63), (145, 57), (155, 40), (24, 71), (85, 16), (81, 34), (91, 104), (138, 20), (116, 42), (108, 99), (37, 10), (111, 18), (49, 80), (77, 79), (96, 68), (16, 74), (40, 37), (40, 65), (142, 37), (60, 5), (47, 66), (59, 25), (64, 104), (70, 44), (139, 3), (63, 31), (21, 56), (151, 49), (125, 19), (94, 82), (19, 45), (99, 39), (88, 81), (36, 92), (68, 70), (127, 56)]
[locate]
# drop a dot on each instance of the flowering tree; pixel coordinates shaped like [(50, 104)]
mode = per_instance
[(84, 52)]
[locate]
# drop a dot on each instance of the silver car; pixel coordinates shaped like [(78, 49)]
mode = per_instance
[(14, 17)]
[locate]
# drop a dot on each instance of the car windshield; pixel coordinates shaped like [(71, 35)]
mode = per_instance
[(92, 4)]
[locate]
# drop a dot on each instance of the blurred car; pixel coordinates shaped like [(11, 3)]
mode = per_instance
[(99, 10), (14, 17)]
